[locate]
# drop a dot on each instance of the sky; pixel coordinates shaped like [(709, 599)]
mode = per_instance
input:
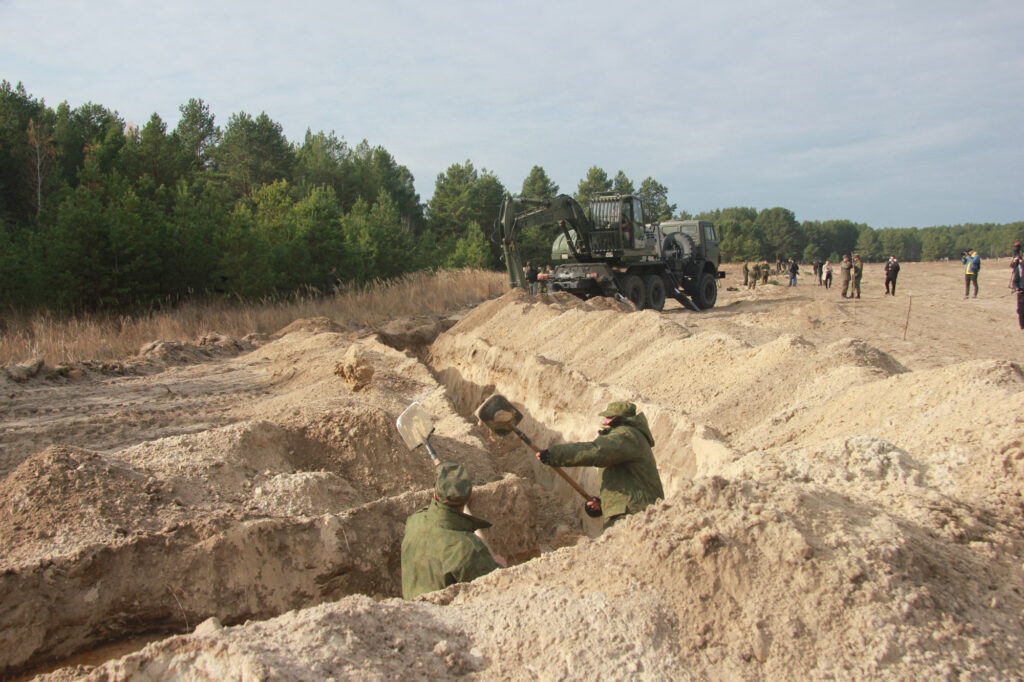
[(895, 113)]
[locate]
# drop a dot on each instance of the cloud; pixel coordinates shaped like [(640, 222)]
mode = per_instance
[(790, 104)]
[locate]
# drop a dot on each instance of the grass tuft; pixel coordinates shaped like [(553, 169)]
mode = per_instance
[(103, 337)]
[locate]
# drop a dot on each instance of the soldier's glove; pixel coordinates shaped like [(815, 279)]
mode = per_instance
[(593, 508), (545, 457)]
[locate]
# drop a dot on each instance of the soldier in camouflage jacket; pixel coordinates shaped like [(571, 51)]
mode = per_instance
[(630, 480), (439, 548)]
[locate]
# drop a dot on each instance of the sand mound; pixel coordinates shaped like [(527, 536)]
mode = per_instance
[(312, 325), (205, 348), (841, 502), (737, 580), (354, 369), (61, 497)]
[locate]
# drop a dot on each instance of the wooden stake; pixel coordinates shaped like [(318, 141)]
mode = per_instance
[(910, 300)]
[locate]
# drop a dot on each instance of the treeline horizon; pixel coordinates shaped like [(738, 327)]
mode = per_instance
[(99, 214)]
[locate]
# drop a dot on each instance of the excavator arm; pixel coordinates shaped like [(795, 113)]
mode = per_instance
[(562, 211)]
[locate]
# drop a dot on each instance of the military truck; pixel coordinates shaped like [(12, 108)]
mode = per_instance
[(608, 250)]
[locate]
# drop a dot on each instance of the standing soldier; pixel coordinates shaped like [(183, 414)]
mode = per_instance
[(756, 276), (439, 548), (746, 274), (630, 480), (858, 272), (765, 270), (844, 273)]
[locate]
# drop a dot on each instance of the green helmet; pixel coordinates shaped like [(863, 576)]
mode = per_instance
[(620, 409), (452, 484)]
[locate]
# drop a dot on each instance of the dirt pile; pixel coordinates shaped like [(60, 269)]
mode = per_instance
[(841, 502), (301, 499)]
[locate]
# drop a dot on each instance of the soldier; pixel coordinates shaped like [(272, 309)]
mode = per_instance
[(858, 272), (630, 480), (746, 274), (764, 271), (755, 277), (844, 273), (439, 548)]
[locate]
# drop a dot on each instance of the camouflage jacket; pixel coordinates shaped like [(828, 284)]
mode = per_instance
[(439, 549), (630, 480)]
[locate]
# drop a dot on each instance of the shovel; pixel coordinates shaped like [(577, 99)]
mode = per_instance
[(415, 426), (502, 417)]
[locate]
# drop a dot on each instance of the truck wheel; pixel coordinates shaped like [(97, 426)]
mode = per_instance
[(655, 286), (633, 289), (707, 291)]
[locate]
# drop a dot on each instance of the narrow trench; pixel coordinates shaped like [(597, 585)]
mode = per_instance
[(364, 560)]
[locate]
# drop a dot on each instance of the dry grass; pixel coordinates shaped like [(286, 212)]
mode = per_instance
[(62, 340)]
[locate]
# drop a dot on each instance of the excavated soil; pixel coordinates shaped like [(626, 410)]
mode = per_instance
[(844, 481)]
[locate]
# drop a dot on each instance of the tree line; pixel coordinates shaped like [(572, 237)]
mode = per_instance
[(748, 234), (97, 213)]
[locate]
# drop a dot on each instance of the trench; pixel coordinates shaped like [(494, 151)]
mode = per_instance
[(106, 600)]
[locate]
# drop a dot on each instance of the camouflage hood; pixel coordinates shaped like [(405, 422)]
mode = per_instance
[(638, 422)]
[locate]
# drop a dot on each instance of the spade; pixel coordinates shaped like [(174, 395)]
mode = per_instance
[(502, 417)]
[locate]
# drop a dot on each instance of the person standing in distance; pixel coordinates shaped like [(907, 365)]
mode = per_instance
[(892, 270), (972, 262), (858, 273), (1017, 285), (630, 481), (844, 273)]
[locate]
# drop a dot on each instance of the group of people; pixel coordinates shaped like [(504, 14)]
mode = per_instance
[(440, 547), (533, 280), (751, 275), (851, 272)]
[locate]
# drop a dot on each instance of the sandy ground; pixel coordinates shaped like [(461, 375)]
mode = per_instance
[(844, 486)]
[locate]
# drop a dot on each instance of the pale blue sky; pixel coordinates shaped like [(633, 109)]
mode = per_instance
[(890, 113)]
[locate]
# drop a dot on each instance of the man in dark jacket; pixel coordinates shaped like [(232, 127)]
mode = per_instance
[(439, 548), (630, 480), (892, 271)]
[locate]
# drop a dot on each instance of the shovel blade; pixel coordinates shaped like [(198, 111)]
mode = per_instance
[(499, 414), (415, 425)]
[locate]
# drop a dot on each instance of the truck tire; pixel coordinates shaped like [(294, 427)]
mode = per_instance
[(633, 289), (655, 287), (707, 291)]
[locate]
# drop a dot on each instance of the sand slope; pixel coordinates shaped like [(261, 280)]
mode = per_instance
[(841, 502)]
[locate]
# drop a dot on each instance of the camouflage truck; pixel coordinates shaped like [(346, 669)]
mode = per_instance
[(608, 250)]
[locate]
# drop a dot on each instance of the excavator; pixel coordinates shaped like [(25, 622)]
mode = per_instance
[(608, 250)]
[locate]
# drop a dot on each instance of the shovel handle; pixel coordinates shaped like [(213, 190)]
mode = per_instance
[(568, 479), (430, 451), (573, 484)]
